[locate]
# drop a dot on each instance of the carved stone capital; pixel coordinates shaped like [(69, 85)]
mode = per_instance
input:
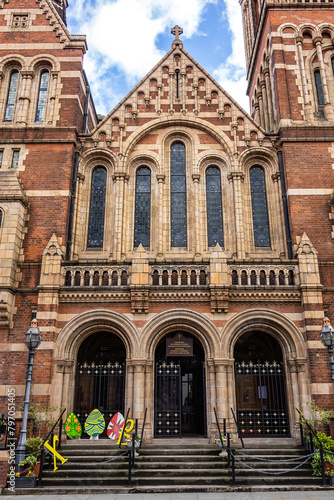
[(64, 365), (196, 178), (161, 178)]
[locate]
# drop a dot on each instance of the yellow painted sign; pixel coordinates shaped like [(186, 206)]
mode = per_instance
[(55, 452), (130, 423)]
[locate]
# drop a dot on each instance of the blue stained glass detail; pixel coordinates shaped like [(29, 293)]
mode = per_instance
[(1, 157), (318, 85), (259, 207), (11, 97), (42, 94), (97, 208), (15, 158), (143, 207), (0, 218), (178, 194), (214, 207)]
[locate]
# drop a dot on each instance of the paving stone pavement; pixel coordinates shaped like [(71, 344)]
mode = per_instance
[(265, 495)]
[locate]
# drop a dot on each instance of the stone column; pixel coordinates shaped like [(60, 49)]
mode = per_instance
[(138, 390), (328, 109), (24, 98), (295, 395), (149, 400), (53, 95), (269, 99), (161, 182), (265, 105), (260, 99), (211, 398), (237, 178), (119, 178), (230, 390), (302, 381), (307, 105), (196, 178), (128, 386), (221, 391)]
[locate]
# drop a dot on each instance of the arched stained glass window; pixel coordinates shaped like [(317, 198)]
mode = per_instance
[(42, 94), (259, 207), (143, 207), (97, 208), (178, 195), (214, 207), (11, 96), (0, 218), (318, 86)]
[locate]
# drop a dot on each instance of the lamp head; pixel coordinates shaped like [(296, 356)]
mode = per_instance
[(327, 333), (33, 336)]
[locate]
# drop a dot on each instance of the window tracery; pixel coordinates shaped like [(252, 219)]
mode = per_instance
[(11, 96), (142, 207), (214, 207), (42, 95), (178, 195), (97, 208), (259, 207)]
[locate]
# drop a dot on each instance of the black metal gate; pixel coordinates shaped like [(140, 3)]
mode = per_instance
[(261, 399), (99, 385), (167, 399)]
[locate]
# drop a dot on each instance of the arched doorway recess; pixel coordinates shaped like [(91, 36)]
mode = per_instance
[(100, 376), (179, 396), (260, 386)]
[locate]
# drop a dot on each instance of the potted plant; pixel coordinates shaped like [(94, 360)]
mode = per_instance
[(328, 445), (27, 477), (219, 440), (33, 446), (3, 425)]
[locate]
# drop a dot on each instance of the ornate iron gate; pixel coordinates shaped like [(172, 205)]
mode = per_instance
[(261, 398), (99, 385), (167, 399)]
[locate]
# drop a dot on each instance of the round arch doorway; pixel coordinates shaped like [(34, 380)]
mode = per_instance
[(100, 376), (260, 386), (179, 396)]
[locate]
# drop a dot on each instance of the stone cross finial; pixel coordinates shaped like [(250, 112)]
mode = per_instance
[(177, 31)]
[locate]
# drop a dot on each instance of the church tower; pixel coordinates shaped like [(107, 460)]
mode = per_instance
[(290, 70)]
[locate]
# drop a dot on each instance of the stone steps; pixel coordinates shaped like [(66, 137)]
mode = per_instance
[(175, 466)]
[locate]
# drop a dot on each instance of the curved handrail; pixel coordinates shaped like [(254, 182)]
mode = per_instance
[(238, 428)]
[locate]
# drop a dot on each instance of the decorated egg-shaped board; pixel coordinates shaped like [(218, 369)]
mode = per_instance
[(73, 427), (115, 426), (95, 423)]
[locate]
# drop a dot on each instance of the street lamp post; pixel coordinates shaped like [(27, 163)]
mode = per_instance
[(33, 340), (327, 338)]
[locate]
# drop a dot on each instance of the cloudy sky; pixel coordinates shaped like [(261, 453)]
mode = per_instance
[(126, 38)]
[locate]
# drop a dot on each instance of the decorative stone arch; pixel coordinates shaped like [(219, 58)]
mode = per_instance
[(196, 123), (83, 325), (41, 60), (276, 324), (14, 60), (293, 348), (97, 156), (143, 159), (285, 26), (192, 322)]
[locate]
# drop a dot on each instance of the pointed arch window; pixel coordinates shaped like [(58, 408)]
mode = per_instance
[(0, 219), (42, 95), (259, 207), (11, 96), (178, 195), (214, 207), (319, 89), (143, 207), (97, 208)]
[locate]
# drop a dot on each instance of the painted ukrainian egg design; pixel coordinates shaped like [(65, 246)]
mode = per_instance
[(95, 423), (73, 427)]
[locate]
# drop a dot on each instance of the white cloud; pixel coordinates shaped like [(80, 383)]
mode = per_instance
[(231, 74)]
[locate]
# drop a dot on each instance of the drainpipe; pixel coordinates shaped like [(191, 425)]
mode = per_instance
[(285, 204), (73, 194)]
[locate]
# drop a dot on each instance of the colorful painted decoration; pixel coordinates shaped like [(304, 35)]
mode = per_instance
[(115, 426), (73, 427), (95, 423)]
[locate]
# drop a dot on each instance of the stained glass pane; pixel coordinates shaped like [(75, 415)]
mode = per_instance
[(42, 94), (259, 207), (178, 195), (97, 208), (1, 157), (143, 207), (214, 207), (0, 218), (11, 97), (318, 84), (15, 158)]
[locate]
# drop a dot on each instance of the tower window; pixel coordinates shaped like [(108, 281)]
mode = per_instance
[(97, 208), (1, 157), (259, 207), (143, 207), (214, 207), (318, 86), (42, 94), (11, 96), (178, 195), (15, 158)]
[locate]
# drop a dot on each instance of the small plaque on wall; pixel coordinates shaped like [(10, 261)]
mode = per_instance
[(179, 345)]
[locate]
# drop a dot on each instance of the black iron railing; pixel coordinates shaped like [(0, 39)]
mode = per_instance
[(238, 428), (310, 442), (132, 451), (51, 436)]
